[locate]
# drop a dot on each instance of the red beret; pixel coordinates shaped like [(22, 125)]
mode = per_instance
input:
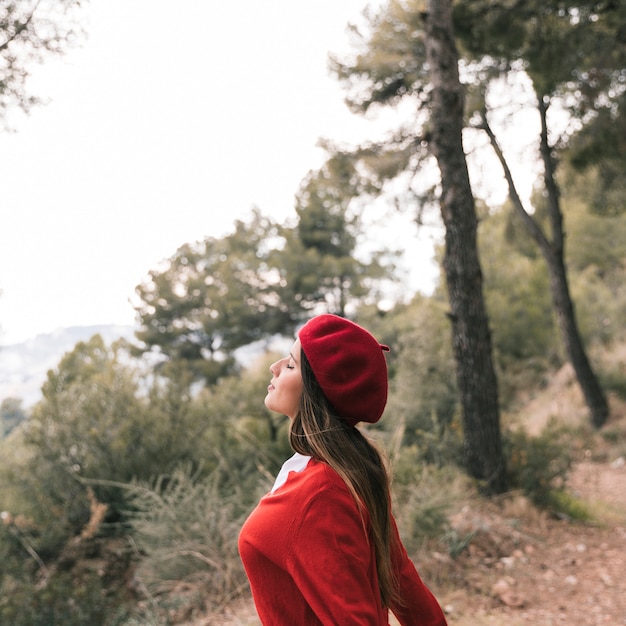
[(349, 365)]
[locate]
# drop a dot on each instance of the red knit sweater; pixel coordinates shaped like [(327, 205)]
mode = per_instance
[(310, 562)]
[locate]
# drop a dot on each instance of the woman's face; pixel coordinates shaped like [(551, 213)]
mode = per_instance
[(285, 388)]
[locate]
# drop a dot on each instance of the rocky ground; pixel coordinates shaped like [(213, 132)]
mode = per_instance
[(526, 567)]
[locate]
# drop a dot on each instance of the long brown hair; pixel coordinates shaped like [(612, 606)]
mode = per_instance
[(318, 432)]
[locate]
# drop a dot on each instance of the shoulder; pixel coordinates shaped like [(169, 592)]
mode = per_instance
[(325, 496), (323, 479), (316, 486), (313, 493)]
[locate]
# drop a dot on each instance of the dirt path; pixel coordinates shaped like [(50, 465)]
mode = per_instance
[(528, 568)]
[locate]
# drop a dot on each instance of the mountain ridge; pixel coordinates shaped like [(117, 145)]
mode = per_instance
[(24, 365)]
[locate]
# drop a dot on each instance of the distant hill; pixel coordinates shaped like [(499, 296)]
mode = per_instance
[(23, 366)]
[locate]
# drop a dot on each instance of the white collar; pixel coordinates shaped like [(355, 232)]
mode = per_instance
[(295, 464)]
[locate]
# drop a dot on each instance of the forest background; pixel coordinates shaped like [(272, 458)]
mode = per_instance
[(153, 451)]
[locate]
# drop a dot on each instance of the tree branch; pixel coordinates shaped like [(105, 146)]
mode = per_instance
[(534, 228), (549, 166), (20, 28)]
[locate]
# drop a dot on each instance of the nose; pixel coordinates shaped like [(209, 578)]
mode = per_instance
[(273, 367)]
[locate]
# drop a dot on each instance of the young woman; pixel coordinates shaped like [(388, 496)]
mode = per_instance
[(322, 547)]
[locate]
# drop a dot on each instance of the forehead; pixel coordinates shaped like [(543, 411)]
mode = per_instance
[(295, 349)]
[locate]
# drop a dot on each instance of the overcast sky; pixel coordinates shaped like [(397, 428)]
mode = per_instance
[(171, 121)]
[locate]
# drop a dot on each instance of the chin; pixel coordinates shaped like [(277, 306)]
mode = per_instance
[(270, 405)]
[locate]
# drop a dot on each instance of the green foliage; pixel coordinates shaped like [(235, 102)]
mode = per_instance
[(85, 420), (32, 594), (574, 58), (30, 33), (569, 506), (12, 415), (614, 380), (245, 436), (54, 502), (15, 535), (597, 257), (517, 291), (517, 295), (213, 297), (187, 531), (89, 425), (387, 68), (565, 50), (319, 265), (595, 241), (539, 466), (62, 601), (51, 503), (601, 307), (455, 543), (423, 395), (574, 55), (102, 423), (388, 61), (423, 496)]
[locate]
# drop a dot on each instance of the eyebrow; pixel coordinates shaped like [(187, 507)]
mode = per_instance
[(293, 357)]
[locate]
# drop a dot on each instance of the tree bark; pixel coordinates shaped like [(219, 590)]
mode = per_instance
[(471, 338), (594, 395), (553, 251)]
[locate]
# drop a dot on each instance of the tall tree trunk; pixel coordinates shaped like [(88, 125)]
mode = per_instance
[(553, 251), (592, 391), (594, 395), (471, 338)]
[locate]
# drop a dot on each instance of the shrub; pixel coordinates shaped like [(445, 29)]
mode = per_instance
[(423, 389), (423, 496), (61, 601), (187, 533), (570, 506), (538, 466), (613, 378)]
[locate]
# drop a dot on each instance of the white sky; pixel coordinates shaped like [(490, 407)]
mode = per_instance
[(171, 121)]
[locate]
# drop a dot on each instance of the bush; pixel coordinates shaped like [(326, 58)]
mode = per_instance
[(187, 533), (62, 601), (423, 496), (423, 389), (538, 466), (51, 502), (612, 370), (517, 291), (569, 506)]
